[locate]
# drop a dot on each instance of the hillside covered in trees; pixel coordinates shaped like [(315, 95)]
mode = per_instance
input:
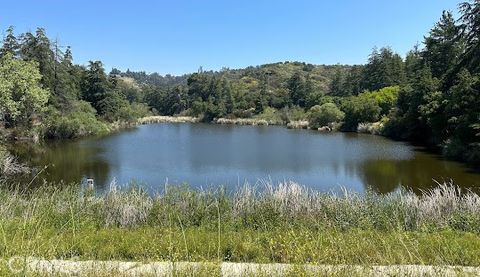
[(431, 96)]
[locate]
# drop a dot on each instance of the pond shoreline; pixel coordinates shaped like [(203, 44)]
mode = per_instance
[(297, 124)]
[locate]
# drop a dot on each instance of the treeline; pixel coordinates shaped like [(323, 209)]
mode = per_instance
[(236, 92), (44, 94)]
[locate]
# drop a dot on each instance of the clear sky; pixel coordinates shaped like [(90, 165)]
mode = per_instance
[(178, 36)]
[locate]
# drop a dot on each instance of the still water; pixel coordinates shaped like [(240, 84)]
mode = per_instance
[(206, 155)]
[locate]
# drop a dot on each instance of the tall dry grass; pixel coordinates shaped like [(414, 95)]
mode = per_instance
[(245, 121), (445, 207), (282, 223), (168, 119)]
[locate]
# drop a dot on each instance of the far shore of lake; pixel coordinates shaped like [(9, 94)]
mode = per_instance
[(297, 124)]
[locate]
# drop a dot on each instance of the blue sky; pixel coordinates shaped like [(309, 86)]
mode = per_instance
[(178, 36)]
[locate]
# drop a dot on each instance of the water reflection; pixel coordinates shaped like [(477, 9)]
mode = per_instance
[(65, 162), (204, 155)]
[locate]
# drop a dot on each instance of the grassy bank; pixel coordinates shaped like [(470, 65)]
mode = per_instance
[(282, 224)]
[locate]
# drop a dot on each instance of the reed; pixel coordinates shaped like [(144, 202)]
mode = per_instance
[(298, 124), (245, 121), (167, 119), (443, 208), (375, 128), (9, 165)]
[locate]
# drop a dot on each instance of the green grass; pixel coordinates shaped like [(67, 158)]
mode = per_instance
[(281, 224)]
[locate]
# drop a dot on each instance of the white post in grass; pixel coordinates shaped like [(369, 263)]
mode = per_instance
[(90, 184)]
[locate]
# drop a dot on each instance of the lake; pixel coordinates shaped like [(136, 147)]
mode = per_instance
[(206, 155)]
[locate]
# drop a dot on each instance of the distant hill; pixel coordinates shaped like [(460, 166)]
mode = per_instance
[(275, 74)]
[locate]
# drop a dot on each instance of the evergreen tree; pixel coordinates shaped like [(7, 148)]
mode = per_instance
[(10, 44), (413, 63), (298, 91), (443, 46), (67, 82), (352, 85), (413, 124), (229, 99), (337, 83), (384, 68), (470, 18), (95, 85), (199, 87), (38, 48)]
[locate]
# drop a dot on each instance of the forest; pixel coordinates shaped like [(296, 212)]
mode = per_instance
[(431, 96)]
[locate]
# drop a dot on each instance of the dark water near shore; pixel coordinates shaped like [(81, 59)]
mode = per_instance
[(205, 155)]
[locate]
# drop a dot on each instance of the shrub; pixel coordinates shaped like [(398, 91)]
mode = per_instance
[(386, 98), (359, 109), (271, 115), (294, 113), (79, 123), (112, 105), (454, 148), (132, 112), (320, 116)]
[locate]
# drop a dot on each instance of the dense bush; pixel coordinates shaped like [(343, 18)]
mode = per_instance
[(294, 113), (80, 122), (21, 95), (386, 98), (323, 115), (271, 115), (359, 109), (130, 113)]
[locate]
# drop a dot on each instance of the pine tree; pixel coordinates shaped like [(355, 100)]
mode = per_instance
[(443, 46), (297, 87), (10, 44), (470, 18), (38, 48), (384, 68), (95, 84)]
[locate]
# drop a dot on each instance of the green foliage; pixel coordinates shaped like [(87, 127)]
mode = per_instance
[(21, 95), (68, 81), (384, 68), (294, 113), (128, 89), (95, 85), (271, 115), (470, 18), (111, 105), (337, 84), (386, 98), (319, 116), (359, 109), (443, 46), (40, 84), (297, 86), (10, 44), (131, 112), (78, 123), (408, 121), (234, 93)]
